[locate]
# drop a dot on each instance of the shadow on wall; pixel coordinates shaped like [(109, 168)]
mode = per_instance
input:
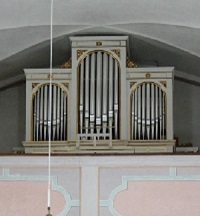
[(12, 115)]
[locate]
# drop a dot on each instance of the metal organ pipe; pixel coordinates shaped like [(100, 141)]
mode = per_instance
[(81, 97), (156, 111), (38, 115), (58, 112), (61, 116), (105, 92), (86, 94), (54, 112), (143, 106), (110, 92), (139, 112), (116, 96), (101, 94), (45, 113), (153, 122), (42, 114), (92, 92), (148, 112), (99, 89), (163, 115), (41, 110), (65, 117)]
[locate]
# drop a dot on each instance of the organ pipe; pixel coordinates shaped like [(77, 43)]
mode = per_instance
[(99, 94), (99, 89), (105, 92), (86, 94), (92, 92), (43, 117), (148, 112)]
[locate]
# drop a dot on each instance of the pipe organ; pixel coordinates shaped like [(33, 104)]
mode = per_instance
[(99, 101)]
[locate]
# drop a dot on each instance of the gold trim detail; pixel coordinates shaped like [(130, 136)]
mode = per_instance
[(98, 43), (50, 76), (148, 75), (34, 85), (67, 64), (132, 83), (53, 84), (164, 83), (117, 52), (130, 64), (80, 53), (66, 85)]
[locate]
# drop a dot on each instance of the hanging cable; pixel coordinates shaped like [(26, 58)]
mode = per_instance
[(50, 112)]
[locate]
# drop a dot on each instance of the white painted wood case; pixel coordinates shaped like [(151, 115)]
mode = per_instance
[(97, 96)]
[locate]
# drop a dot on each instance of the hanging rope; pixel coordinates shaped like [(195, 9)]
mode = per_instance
[(50, 109)]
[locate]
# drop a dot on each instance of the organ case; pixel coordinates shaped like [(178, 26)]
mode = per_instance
[(100, 96)]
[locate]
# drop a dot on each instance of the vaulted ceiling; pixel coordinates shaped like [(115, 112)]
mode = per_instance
[(161, 32)]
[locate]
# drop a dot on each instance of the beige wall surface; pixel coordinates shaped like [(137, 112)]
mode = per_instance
[(100, 186)]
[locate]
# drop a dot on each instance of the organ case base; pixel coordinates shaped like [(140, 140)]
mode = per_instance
[(101, 147)]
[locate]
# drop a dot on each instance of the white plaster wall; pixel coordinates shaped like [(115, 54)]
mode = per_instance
[(94, 182), (186, 112), (12, 117)]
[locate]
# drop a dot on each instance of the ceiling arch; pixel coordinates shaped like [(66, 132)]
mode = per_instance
[(161, 33)]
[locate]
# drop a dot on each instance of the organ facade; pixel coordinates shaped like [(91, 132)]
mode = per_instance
[(100, 101)]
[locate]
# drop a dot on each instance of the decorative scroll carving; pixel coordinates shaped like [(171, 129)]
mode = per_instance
[(80, 53), (67, 64), (34, 85), (164, 83), (50, 76), (130, 64), (98, 43), (66, 85), (131, 84), (117, 52), (148, 75)]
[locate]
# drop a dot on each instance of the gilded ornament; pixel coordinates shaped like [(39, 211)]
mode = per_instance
[(67, 64), (49, 213), (131, 84), (66, 85), (34, 85), (164, 83), (80, 53), (50, 76), (98, 43), (130, 64), (148, 75), (117, 52)]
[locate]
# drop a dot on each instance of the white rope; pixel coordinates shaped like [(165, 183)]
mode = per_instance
[(50, 107)]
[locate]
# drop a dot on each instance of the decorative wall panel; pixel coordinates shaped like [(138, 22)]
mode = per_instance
[(148, 191), (25, 191)]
